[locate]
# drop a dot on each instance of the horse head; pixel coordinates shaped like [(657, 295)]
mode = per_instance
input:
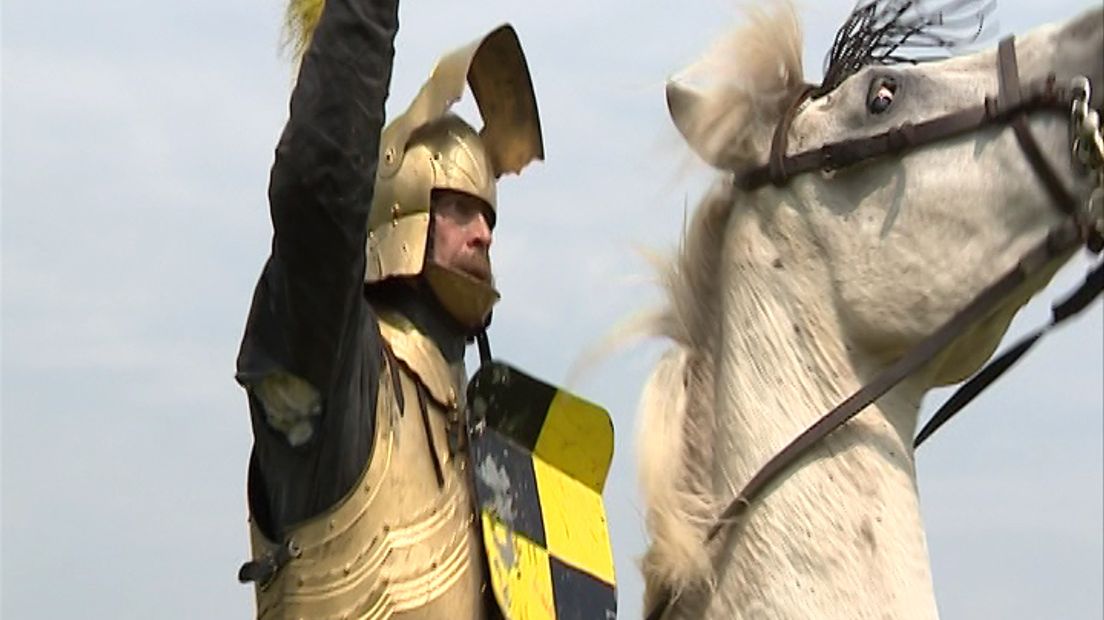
[(853, 220), (908, 237)]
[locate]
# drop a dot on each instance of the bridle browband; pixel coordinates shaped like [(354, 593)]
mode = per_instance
[(1011, 106), (1079, 228)]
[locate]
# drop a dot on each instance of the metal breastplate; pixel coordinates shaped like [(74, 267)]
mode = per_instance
[(403, 543)]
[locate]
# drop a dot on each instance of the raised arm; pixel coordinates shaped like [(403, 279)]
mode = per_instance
[(320, 191), (310, 341)]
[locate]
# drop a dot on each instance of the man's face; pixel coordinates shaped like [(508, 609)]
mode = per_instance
[(461, 234)]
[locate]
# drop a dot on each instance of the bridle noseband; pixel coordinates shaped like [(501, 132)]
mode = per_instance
[(1082, 226)]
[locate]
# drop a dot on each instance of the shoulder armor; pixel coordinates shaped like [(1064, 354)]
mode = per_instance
[(420, 356)]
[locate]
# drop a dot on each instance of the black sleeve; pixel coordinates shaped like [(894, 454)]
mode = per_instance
[(309, 318)]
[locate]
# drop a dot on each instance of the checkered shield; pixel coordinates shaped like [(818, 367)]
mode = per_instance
[(540, 456)]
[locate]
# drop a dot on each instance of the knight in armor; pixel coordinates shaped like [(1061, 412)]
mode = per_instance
[(353, 354)]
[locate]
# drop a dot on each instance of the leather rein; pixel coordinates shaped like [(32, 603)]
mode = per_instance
[(1081, 227)]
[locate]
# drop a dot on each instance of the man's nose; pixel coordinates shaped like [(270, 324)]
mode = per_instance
[(480, 233)]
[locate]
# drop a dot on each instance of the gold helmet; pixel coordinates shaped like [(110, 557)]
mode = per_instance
[(427, 148)]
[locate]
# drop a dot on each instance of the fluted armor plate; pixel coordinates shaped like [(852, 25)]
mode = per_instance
[(402, 543)]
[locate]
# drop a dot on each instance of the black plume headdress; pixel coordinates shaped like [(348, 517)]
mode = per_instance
[(880, 32)]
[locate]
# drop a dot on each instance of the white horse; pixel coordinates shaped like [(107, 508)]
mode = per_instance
[(782, 301)]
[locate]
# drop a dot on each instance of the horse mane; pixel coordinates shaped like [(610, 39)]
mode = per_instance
[(676, 414), (754, 69)]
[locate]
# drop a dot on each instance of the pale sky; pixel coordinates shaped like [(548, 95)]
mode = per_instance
[(137, 138)]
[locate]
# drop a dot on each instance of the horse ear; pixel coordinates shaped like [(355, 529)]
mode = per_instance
[(685, 107), (710, 131)]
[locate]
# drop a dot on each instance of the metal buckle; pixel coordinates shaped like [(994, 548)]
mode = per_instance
[(1087, 144), (263, 570), (1087, 140)]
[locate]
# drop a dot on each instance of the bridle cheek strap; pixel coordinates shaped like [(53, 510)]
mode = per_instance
[(1011, 96), (776, 165)]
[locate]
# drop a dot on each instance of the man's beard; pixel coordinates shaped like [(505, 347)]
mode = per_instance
[(476, 265)]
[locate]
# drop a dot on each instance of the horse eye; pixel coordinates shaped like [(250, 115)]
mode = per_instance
[(882, 93)]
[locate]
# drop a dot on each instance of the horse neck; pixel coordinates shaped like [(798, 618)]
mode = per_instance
[(840, 534)]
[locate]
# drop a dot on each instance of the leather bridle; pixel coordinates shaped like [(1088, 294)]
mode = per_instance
[(1081, 227)]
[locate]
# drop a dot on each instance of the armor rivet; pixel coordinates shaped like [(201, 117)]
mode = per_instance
[(389, 155), (404, 248), (348, 569), (333, 524)]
